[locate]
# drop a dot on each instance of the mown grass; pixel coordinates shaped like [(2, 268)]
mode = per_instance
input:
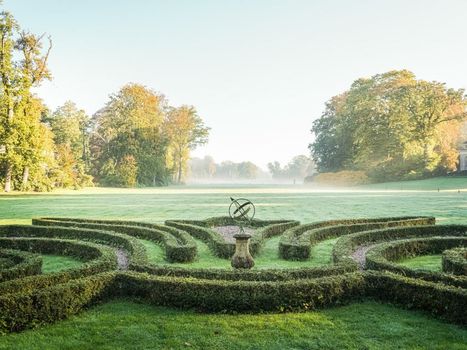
[(126, 325), (55, 263), (423, 262), (457, 183), (267, 259), (303, 203)]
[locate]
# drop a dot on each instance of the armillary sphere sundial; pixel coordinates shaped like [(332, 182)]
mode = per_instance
[(242, 211)]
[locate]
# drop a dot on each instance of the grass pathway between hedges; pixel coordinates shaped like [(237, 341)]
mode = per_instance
[(55, 263), (423, 262), (268, 258), (127, 325)]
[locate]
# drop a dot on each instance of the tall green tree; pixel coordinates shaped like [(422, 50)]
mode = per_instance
[(186, 131), (70, 127), (389, 127), (128, 132), (23, 65), (427, 106)]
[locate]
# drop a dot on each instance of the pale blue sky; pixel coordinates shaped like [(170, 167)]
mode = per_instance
[(258, 72)]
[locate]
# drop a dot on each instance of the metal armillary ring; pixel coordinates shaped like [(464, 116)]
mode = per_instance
[(241, 209)]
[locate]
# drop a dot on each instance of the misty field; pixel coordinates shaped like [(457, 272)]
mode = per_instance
[(303, 203)]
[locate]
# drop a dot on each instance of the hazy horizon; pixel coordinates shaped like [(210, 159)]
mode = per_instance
[(258, 72)]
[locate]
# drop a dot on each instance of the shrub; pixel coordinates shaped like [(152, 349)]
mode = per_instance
[(440, 300), (179, 246), (133, 246), (346, 245), (455, 261), (28, 309), (23, 264), (248, 275), (341, 178), (201, 229), (296, 242), (243, 296), (383, 257), (97, 259)]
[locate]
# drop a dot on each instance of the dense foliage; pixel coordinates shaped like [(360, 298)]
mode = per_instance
[(391, 126), (136, 139), (34, 299)]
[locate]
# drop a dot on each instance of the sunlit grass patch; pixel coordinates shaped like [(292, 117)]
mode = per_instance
[(423, 262), (55, 263), (127, 325)]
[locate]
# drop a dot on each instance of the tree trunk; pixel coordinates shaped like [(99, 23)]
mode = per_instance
[(25, 178), (179, 170), (8, 174), (9, 167)]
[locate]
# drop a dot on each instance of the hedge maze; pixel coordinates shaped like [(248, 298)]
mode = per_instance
[(114, 263)]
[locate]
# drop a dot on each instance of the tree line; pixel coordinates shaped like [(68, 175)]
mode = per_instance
[(137, 138), (391, 126), (208, 170)]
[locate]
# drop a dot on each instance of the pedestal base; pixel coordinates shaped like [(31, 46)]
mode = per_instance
[(242, 258)]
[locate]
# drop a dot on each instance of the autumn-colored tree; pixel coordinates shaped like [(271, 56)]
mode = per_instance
[(70, 127), (391, 126), (130, 125), (186, 131)]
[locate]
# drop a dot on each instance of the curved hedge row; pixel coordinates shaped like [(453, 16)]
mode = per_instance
[(385, 255), (33, 300), (346, 245), (136, 250), (248, 275), (97, 259), (455, 261), (22, 264), (296, 242), (179, 246), (53, 302), (201, 229)]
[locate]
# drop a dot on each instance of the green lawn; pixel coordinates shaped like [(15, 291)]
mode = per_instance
[(127, 325), (442, 183), (423, 262), (304, 203), (55, 263), (267, 259)]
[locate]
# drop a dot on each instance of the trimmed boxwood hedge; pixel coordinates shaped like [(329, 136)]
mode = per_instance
[(179, 246), (455, 261), (97, 259), (243, 296), (136, 250), (201, 229), (23, 264), (296, 242), (438, 299), (248, 275), (33, 300), (385, 255), (32, 308), (346, 245)]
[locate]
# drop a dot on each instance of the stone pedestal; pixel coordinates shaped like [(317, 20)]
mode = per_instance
[(242, 258)]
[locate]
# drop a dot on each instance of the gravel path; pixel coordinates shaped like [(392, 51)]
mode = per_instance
[(359, 255), (229, 231), (122, 259)]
